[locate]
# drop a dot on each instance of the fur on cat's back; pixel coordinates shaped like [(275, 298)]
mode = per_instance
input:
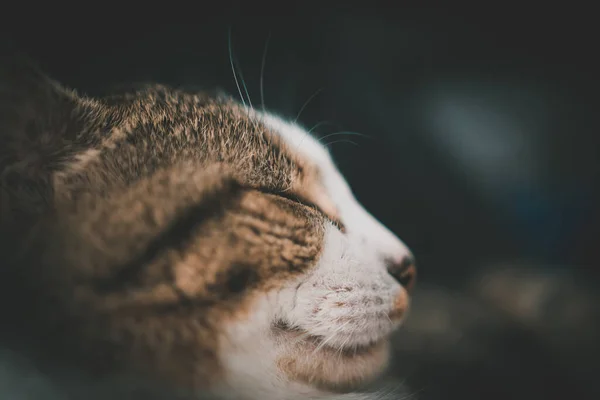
[(162, 240)]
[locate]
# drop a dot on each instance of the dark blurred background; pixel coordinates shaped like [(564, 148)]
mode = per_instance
[(472, 134)]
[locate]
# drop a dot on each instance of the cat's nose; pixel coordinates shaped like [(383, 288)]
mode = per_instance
[(403, 270)]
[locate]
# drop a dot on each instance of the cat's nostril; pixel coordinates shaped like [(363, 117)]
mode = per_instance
[(404, 271)]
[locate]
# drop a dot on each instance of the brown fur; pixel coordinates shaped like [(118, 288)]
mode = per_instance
[(338, 370), (136, 225)]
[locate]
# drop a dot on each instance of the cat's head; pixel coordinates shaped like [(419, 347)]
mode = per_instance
[(189, 238)]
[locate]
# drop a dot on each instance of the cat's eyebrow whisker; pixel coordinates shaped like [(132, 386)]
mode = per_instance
[(233, 66), (306, 103), (262, 72), (340, 141), (309, 132), (239, 70), (299, 144), (315, 126), (349, 133)]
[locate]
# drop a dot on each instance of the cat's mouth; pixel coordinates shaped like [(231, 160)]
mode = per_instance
[(321, 343), (312, 360), (298, 335)]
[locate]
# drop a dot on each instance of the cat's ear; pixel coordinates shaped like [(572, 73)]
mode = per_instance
[(42, 123), (43, 126)]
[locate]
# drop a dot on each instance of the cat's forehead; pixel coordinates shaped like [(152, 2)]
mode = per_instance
[(210, 127), (266, 152)]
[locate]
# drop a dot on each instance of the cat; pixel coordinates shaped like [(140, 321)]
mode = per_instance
[(160, 241)]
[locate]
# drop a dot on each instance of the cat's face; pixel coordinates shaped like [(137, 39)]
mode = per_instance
[(198, 241), (329, 327)]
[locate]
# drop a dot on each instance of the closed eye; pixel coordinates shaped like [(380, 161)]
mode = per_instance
[(299, 199)]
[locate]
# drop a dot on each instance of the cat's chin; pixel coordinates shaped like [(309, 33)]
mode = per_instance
[(310, 360)]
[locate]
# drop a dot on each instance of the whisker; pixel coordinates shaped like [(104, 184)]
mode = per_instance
[(262, 72), (315, 126), (413, 394), (331, 336), (298, 338), (239, 69), (388, 318), (386, 393), (233, 67), (287, 189), (343, 345), (349, 133), (306, 103), (340, 141), (322, 344)]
